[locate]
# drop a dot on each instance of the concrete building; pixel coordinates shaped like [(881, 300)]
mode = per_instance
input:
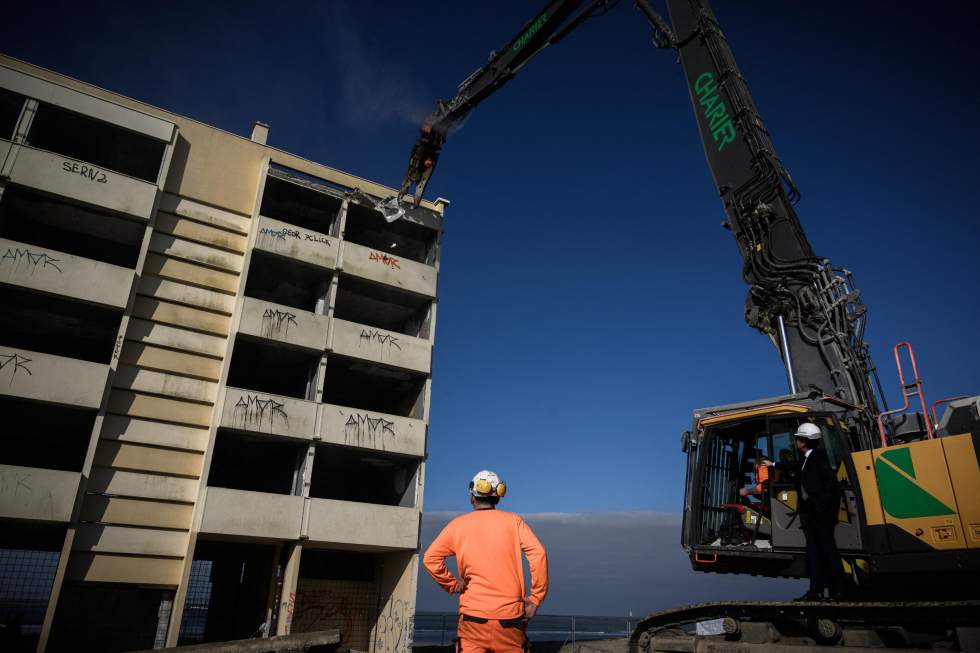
[(215, 372)]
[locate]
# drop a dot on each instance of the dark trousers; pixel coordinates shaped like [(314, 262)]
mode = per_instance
[(822, 560)]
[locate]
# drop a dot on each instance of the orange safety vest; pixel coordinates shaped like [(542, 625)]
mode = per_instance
[(761, 477)]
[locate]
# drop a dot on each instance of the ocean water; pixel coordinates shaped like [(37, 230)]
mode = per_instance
[(439, 628)]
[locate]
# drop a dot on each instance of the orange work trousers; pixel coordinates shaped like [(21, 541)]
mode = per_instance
[(478, 635)]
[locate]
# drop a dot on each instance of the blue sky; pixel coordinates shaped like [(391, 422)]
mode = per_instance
[(589, 299)]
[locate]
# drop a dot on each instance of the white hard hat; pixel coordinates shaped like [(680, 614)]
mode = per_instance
[(487, 484), (808, 430)]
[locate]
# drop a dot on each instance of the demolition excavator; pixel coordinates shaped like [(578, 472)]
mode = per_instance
[(909, 518)]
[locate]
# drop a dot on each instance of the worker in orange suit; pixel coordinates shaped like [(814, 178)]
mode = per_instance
[(487, 543), (761, 478)]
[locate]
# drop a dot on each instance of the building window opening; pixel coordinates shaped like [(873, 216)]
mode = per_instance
[(255, 463), (399, 238), (96, 617), (44, 435), (227, 592), (29, 555), (363, 385), (97, 142), (285, 281), (301, 206), (382, 307), (11, 105), (45, 222), (54, 325), (348, 474), (328, 579), (259, 365)]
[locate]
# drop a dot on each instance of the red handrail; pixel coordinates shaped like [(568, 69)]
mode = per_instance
[(935, 420), (908, 390)]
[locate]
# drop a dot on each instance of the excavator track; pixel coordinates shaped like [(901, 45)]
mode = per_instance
[(796, 627)]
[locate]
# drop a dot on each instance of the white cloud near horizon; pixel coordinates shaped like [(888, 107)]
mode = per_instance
[(611, 563)]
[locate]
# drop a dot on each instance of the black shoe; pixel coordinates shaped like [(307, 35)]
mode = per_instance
[(809, 596)]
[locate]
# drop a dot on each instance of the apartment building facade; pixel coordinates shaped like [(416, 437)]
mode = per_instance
[(215, 377)]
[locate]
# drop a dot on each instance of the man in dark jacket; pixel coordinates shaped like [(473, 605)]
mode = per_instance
[(819, 503)]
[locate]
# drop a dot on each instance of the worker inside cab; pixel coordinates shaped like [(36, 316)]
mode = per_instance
[(760, 491)]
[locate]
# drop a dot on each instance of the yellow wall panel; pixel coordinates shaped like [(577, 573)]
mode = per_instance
[(167, 360), (168, 410), (136, 457), (183, 316), (192, 230), (134, 512), (108, 568), (220, 169), (198, 275)]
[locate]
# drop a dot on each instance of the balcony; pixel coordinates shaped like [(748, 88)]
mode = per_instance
[(371, 430), (67, 177), (38, 494), (367, 343), (54, 379), (254, 412), (291, 326), (388, 268), (363, 525), (57, 273), (268, 516), (291, 241)]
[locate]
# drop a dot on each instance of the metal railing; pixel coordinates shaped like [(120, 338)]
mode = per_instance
[(439, 628)]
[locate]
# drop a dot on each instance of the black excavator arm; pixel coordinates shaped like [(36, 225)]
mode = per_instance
[(548, 27), (810, 310)]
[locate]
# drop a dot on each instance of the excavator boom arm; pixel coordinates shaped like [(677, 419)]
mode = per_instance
[(810, 310)]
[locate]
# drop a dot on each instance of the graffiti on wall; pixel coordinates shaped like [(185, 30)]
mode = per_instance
[(286, 232), (385, 341), (384, 259), (279, 234), (362, 430), (20, 259), (394, 630), (12, 364), (276, 323), (88, 172), (251, 411), (347, 605)]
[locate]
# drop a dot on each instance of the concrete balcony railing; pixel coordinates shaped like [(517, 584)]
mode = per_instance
[(54, 379), (388, 347), (53, 272), (286, 324), (297, 243), (389, 269), (363, 524), (84, 182), (252, 514), (39, 494), (353, 427), (256, 412)]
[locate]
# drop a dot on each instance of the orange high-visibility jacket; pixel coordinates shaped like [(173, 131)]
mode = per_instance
[(761, 476), (488, 545)]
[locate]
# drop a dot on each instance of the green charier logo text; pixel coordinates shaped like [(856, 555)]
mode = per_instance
[(531, 31), (714, 110)]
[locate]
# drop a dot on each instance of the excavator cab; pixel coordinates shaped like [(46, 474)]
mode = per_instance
[(758, 530)]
